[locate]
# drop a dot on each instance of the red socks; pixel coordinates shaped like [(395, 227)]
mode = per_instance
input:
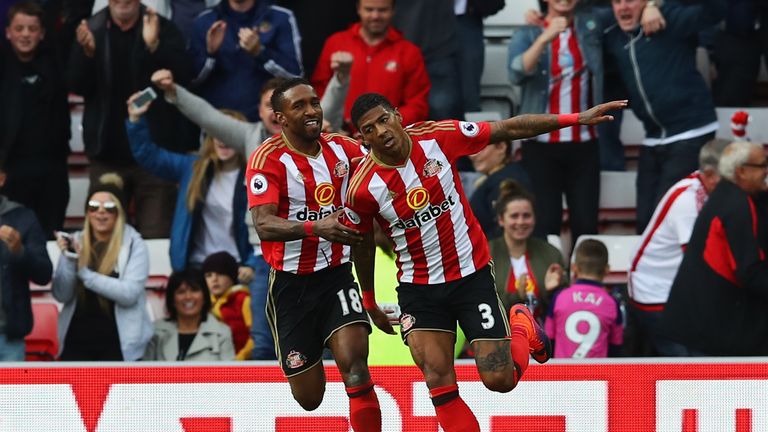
[(521, 351), (364, 410), (452, 413)]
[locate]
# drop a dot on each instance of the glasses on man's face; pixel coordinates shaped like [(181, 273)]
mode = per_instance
[(108, 206), (762, 165)]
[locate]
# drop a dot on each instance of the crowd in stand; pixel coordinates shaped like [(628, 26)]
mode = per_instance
[(173, 167)]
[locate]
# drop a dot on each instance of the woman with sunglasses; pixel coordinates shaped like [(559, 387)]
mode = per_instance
[(211, 200), (100, 279)]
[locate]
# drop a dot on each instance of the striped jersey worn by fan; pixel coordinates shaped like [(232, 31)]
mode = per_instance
[(304, 188), (569, 88), (421, 204), (660, 253)]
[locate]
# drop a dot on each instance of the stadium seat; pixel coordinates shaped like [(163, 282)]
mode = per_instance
[(494, 83), (159, 263), (620, 250), (42, 344), (78, 191)]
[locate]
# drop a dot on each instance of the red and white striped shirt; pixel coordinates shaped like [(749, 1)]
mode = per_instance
[(660, 253), (421, 204), (570, 88), (304, 188)]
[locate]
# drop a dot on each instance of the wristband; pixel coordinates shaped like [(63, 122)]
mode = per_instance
[(369, 300), (308, 228), (564, 120)]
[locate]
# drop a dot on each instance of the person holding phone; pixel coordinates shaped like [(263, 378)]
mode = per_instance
[(209, 208), (100, 279)]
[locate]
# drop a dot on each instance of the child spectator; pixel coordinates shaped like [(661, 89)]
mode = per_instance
[(231, 303), (584, 320)]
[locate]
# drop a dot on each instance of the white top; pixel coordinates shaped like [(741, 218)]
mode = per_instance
[(660, 251), (215, 232), (459, 7)]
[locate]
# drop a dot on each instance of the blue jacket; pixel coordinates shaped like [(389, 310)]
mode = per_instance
[(178, 168), (232, 78), (17, 270), (535, 85), (666, 91)]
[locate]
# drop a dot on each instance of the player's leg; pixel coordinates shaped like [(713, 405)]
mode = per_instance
[(433, 353), (298, 343), (349, 345), (346, 328)]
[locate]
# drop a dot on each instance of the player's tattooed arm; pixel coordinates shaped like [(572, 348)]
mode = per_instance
[(270, 227), (494, 357), (531, 125)]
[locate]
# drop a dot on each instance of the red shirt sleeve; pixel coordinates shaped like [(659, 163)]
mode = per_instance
[(468, 138), (263, 184)]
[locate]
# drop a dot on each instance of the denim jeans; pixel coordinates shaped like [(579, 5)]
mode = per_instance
[(11, 350), (264, 343)]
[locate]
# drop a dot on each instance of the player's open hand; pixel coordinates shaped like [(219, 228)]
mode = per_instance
[(597, 114), (331, 229), (381, 320)]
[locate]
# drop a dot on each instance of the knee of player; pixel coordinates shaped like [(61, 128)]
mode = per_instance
[(500, 383), (357, 376), (309, 402)]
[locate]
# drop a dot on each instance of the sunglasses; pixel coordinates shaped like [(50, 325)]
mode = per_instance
[(108, 206)]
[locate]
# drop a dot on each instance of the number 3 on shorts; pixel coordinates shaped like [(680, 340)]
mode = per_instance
[(354, 300), (487, 314)]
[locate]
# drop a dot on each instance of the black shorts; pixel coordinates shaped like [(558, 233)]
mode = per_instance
[(471, 300), (303, 312)]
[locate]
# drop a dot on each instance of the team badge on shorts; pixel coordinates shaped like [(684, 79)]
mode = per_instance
[(295, 359), (406, 322), (258, 184), (352, 216), (469, 129), (340, 169), (432, 167)]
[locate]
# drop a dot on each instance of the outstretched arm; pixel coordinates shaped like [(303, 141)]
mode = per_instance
[(531, 125)]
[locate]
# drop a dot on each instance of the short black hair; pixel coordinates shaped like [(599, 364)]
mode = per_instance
[(366, 102), (591, 257), (272, 84), (27, 8), (195, 279), (278, 97)]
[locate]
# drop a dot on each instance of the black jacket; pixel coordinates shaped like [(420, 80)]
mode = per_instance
[(92, 78), (55, 101), (16, 271), (719, 300)]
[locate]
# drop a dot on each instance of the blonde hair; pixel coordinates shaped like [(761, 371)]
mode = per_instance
[(197, 186)]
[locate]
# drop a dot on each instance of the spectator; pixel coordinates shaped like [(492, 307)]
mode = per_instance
[(677, 123), (431, 25), (34, 94), (316, 24), (209, 209), (527, 269), (738, 48), (559, 68), (231, 302), (471, 52), (247, 137), (383, 62), (660, 251), (496, 164), (116, 51), (181, 12), (190, 333), (100, 279), (724, 266), (585, 320), (23, 258), (239, 45)]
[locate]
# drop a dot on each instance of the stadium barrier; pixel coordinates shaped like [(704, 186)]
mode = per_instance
[(723, 395)]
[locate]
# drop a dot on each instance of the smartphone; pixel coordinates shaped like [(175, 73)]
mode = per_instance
[(146, 96), (68, 239)]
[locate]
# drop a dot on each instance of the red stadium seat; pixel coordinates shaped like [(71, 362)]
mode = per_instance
[(43, 343)]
